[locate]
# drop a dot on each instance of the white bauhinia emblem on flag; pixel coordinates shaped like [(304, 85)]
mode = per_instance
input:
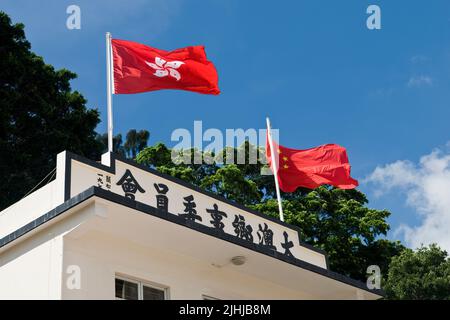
[(164, 68)]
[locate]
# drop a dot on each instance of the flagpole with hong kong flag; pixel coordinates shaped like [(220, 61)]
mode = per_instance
[(141, 68), (274, 164), (109, 89)]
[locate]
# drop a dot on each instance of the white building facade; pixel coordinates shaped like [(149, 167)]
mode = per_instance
[(119, 230)]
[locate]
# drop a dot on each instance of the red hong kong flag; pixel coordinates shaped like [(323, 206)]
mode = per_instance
[(310, 168), (140, 68)]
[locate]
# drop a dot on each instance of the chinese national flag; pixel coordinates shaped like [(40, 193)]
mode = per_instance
[(139, 68), (310, 168)]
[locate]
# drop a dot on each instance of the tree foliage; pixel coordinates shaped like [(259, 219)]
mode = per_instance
[(135, 142), (40, 115), (419, 275), (117, 143)]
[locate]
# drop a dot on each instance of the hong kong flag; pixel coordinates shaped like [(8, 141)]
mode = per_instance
[(310, 168), (140, 68)]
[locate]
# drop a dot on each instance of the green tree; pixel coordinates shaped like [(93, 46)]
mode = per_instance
[(117, 143), (135, 142), (335, 220), (419, 275), (40, 115), (339, 222)]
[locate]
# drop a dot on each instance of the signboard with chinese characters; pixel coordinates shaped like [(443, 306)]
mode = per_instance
[(172, 196)]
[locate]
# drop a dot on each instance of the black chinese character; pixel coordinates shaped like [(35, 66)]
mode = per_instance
[(242, 231), (129, 185), (108, 182), (265, 236), (162, 202), (287, 245), (190, 212), (99, 180), (217, 216)]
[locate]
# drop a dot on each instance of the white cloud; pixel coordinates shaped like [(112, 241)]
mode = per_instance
[(427, 189), (420, 81)]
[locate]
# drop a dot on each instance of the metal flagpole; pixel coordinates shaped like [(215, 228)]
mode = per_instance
[(275, 168), (109, 90)]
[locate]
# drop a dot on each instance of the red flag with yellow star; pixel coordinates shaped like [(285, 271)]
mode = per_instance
[(310, 168)]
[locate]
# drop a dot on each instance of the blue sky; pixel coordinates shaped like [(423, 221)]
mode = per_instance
[(312, 66)]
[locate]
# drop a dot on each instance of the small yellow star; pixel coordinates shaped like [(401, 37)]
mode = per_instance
[(286, 166), (279, 151), (285, 158)]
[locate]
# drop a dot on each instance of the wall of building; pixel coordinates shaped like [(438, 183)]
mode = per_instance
[(100, 257), (35, 204), (32, 269), (26, 210)]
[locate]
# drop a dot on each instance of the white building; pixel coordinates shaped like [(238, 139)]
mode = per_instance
[(120, 230)]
